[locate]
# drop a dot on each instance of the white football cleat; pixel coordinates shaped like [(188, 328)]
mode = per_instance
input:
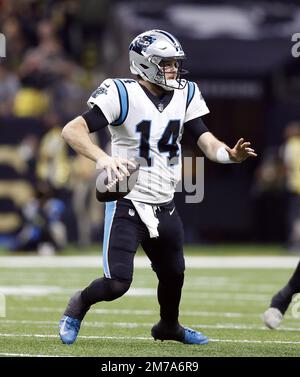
[(272, 318)]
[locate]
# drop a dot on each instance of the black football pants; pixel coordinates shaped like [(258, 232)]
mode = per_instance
[(123, 233)]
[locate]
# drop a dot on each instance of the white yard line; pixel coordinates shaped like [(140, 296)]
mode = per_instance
[(129, 325), (46, 290), (192, 283), (130, 312), (254, 341), (91, 261), (30, 355), (150, 338)]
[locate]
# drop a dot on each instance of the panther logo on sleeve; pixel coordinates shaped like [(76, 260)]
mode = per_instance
[(98, 91)]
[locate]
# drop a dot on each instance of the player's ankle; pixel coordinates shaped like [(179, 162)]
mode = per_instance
[(76, 308), (169, 325)]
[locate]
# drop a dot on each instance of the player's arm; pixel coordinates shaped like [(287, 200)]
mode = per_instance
[(218, 151), (76, 134), (215, 149)]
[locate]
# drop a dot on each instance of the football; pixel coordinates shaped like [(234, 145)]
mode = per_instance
[(116, 189)]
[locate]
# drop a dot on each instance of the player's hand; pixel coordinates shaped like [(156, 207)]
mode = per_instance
[(114, 164), (241, 151)]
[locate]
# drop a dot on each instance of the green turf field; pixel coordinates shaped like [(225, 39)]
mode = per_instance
[(224, 303)]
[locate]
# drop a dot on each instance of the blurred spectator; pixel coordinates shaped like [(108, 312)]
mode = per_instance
[(88, 211), (53, 164), (53, 48), (41, 68), (15, 42), (270, 198), (68, 95), (84, 198), (43, 229), (270, 175), (8, 89), (30, 102), (291, 158)]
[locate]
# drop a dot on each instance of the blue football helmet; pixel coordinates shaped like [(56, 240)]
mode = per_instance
[(148, 51)]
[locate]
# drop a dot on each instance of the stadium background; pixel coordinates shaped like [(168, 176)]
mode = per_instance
[(239, 52)]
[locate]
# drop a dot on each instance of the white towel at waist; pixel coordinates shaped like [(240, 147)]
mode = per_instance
[(147, 215)]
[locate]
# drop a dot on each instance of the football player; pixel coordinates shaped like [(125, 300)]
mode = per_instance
[(280, 302), (146, 118)]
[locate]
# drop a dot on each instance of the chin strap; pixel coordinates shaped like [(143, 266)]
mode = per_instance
[(173, 84)]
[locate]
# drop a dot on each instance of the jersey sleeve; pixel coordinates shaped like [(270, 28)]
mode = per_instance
[(106, 97), (195, 104), (195, 127)]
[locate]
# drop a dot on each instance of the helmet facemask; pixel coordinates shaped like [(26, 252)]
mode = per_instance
[(161, 76)]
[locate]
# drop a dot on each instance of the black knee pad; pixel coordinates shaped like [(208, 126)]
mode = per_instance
[(115, 288)]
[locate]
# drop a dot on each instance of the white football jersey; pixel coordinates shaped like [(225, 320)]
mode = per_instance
[(148, 133)]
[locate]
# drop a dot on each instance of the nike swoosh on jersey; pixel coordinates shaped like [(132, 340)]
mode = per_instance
[(171, 212)]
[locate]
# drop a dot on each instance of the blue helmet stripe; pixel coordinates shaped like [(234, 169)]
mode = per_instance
[(123, 98), (191, 92), (169, 36)]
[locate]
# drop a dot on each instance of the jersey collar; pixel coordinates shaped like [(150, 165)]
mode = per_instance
[(160, 102)]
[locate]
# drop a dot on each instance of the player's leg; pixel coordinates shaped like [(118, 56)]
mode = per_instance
[(166, 255), (121, 239), (281, 301)]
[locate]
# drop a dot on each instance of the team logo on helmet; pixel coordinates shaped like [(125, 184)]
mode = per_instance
[(142, 43)]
